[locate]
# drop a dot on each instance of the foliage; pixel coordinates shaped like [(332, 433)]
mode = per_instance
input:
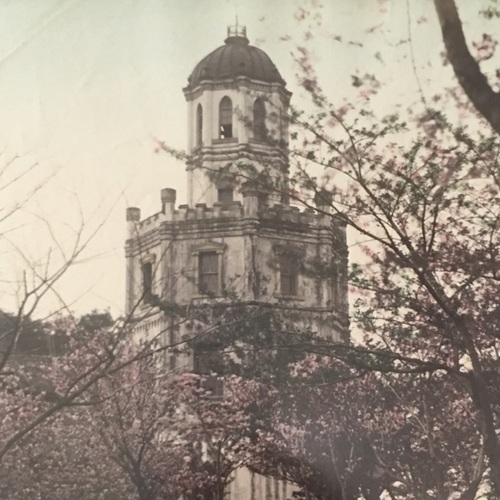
[(136, 431), (410, 409), (421, 199)]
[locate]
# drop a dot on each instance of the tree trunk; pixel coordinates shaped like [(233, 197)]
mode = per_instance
[(483, 400), (466, 68)]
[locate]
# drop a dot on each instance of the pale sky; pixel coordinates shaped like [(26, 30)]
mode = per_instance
[(85, 86)]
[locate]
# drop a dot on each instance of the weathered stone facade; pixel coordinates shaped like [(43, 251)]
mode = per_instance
[(249, 240), (233, 240)]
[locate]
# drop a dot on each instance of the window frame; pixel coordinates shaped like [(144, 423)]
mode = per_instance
[(260, 132), (226, 129), (292, 258), (148, 262), (199, 125), (196, 252), (225, 195), (208, 273), (207, 356), (288, 263)]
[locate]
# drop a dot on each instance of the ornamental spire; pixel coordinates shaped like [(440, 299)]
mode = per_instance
[(237, 30)]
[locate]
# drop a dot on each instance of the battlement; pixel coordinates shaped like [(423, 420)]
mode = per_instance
[(289, 213), (199, 213), (251, 209)]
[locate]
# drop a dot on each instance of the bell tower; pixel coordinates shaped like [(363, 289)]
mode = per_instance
[(235, 243), (237, 106), (234, 238)]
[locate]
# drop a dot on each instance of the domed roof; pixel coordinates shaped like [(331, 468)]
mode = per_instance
[(236, 58)]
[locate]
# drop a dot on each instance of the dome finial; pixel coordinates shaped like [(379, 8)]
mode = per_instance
[(236, 30)]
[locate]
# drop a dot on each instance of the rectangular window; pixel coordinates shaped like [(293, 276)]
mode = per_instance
[(208, 273), (207, 361), (147, 281), (225, 196), (263, 199), (288, 275)]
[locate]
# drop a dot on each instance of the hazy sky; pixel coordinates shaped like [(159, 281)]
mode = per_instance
[(86, 86)]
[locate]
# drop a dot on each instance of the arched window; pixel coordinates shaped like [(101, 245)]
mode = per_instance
[(259, 120), (225, 118), (199, 125)]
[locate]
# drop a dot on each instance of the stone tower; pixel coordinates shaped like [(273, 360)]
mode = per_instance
[(236, 234)]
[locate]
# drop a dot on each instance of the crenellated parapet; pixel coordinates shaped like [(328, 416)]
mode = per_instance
[(252, 207)]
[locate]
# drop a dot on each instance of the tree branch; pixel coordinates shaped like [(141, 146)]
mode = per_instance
[(466, 68)]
